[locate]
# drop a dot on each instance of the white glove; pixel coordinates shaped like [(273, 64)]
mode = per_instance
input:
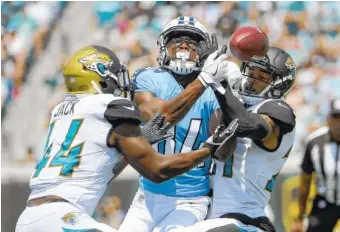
[(215, 70)]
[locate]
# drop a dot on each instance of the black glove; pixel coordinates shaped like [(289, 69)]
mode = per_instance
[(205, 48), (155, 130), (223, 142)]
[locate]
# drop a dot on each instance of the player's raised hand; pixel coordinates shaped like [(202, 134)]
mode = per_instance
[(215, 69), (223, 142), (205, 48), (155, 130)]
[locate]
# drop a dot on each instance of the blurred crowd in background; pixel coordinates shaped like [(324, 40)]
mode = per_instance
[(308, 31), (25, 28)]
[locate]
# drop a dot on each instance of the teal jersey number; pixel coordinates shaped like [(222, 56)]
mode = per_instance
[(195, 128), (228, 172), (228, 167), (270, 184), (44, 160), (66, 157)]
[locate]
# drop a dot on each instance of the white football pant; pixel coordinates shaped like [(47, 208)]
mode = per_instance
[(158, 213), (58, 217), (207, 225)]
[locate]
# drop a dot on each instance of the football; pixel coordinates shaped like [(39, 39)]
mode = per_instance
[(247, 42)]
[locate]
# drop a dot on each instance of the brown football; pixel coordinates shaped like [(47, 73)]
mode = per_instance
[(247, 42)]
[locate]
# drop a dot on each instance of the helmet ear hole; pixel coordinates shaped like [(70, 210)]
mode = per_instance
[(103, 84)]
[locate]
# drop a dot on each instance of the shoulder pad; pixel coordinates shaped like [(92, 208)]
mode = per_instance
[(122, 110), (280, 111)]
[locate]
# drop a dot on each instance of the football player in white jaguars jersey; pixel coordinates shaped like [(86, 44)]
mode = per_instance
[(93, 135), (266, 127)]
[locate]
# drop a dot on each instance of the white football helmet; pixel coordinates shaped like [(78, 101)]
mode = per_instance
[(180, 62)]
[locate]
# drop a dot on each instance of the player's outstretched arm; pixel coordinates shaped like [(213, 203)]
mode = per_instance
[(140, 155), (266, 125), (176, 108), (148, 104), (213, 70), (251, 125)]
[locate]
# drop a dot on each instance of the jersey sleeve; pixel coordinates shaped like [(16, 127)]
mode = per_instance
[(122, 110), (143, 81), (307, 164), (215, 105), (281, 113)]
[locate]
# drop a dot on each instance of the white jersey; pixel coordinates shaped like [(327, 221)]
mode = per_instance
[(243, 183), (78, 164)]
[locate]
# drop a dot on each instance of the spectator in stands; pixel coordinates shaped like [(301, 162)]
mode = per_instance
[(25, 26), (227, 23)]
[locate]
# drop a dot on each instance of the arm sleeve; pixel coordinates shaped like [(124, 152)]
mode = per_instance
[(281, 113), (251, 125), (143, 81), (122, 111), (307, 164)]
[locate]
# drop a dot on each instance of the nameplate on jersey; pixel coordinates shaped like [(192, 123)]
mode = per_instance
[(66, 108)]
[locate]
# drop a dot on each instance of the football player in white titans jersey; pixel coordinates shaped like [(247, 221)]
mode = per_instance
[(93, 134), (266, 126)]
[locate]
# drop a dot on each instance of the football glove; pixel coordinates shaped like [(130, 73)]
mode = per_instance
[(205, 48), (215, 70), (155, 130), (223, 142)]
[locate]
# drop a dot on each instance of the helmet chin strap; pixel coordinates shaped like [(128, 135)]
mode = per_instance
[(96, 87)]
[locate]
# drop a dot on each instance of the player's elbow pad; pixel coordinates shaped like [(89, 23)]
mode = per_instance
[(253, 127)]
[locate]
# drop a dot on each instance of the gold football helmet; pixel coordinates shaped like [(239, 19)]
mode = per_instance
[(95, 69)]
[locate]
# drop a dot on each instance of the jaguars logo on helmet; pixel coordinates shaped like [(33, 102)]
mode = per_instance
[(290, 63), (95, 69)]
